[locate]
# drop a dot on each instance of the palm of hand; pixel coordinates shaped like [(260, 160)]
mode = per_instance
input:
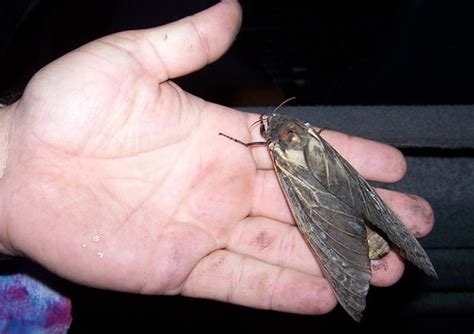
[(132, 184)]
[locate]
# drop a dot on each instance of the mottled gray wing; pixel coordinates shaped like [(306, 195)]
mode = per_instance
[(341, 179), (332, 229)]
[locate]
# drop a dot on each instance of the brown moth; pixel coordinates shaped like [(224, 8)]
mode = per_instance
[(343, 220)]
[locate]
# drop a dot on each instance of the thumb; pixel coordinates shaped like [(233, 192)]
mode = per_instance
[(189, 44)]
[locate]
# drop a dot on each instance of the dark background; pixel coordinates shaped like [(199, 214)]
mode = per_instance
[(413, 57), (332, 53)]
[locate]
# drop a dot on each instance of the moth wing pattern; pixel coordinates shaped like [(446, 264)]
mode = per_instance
[(341, 179), (333, 230)]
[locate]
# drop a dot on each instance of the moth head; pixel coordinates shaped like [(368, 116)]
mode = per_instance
[(285, 131)]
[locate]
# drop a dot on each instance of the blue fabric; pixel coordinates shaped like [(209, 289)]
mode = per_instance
[(29, 306)]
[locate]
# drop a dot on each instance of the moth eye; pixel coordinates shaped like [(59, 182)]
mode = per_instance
[(263, 131), (285, 134)]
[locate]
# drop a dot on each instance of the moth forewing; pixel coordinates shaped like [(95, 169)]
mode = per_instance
[(360, 195), (334, 232), (354, 190)]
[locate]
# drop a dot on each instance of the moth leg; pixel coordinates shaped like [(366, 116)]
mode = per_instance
[(378, 247), (254, 143)]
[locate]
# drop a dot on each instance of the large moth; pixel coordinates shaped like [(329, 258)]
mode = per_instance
[(343, 220)]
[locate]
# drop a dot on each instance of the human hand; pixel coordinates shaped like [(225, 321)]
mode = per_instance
[(116, 178)]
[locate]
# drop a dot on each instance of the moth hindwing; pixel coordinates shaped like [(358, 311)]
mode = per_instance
[(343, 220)]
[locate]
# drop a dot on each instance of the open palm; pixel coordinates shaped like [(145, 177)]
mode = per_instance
[(116, 178)]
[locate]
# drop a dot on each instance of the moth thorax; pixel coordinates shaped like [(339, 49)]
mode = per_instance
[(378, 247), (295, 139)]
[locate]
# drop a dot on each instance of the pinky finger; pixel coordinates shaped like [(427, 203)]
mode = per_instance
[(243, 280)]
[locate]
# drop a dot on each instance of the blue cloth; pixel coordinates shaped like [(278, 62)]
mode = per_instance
[(29, 306)]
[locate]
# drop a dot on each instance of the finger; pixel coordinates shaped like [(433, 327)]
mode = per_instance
[(282, 245), (387, 270), (415, 212), (191, 43), (230, 277), (373, 160), (268, 201), (273, 242)]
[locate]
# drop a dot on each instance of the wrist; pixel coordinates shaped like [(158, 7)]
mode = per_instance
[(6, 118)]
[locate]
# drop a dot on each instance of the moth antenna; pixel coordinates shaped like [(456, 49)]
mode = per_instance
[(262, 117), (284, 102)]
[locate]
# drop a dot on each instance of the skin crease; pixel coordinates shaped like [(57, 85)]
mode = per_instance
[(116, 178)]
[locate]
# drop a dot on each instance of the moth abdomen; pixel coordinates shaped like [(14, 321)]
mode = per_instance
[(378, 246)]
